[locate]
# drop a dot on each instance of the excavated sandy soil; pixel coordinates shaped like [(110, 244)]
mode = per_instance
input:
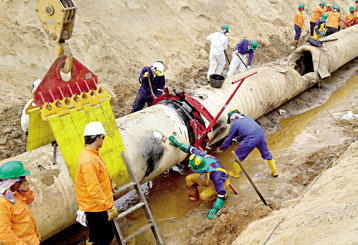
[(115, 39)]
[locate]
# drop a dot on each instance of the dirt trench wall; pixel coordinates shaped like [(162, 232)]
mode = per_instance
[(145, 133)]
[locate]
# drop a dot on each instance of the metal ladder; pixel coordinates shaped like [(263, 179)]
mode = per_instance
[(142, 204)]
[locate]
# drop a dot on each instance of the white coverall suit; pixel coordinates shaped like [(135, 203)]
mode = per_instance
[(217, 57), (236, 65)]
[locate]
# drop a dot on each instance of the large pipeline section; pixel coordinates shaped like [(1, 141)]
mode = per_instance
[(145, 133)]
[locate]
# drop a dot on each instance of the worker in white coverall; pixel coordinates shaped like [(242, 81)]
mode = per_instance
[(217, 56), (24, 116)]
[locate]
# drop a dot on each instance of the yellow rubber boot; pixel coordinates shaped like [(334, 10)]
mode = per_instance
[(273, 167), (89, 243), (236, 172)]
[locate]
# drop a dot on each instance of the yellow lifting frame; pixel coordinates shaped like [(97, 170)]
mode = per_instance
[(68, 129)]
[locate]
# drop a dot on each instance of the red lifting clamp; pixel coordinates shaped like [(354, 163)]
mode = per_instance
[(53, 87)]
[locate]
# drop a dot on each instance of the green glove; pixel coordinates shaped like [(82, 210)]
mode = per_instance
[(174, 142), (321, 33), (217, 205)]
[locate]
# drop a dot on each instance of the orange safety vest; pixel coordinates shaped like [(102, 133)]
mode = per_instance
[(334, 19), (17, 223), (317, 14), (350, 17), (92, 184), (299, 19)]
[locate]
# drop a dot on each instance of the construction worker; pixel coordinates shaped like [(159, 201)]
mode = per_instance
[(298, 24), (152, 82), (208, 173), (17, 223), (316, 15), (239, 56), (356, 6), (251, 136), (320, 26), (351, 18), (217, 56), (334, 21), (94, 189), (329, 8), (24, 116)]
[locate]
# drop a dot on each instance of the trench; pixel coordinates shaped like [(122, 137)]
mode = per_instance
[(167, 194)]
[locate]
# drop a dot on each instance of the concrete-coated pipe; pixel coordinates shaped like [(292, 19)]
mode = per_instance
[(145, 133)]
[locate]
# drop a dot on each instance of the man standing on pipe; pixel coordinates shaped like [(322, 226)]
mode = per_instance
[(208, 172), (17, 223), (94, 189), (239, 56), (298, 24), (152, 82), (251, 136), (217, 56), (316, 15)]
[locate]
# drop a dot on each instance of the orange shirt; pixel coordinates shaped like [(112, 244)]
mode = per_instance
[(356, 7), (92, 184), (299, 19), (17, 223), (334, 19), (348, 18), (317, 14)]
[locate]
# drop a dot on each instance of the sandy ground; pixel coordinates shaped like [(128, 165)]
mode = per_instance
[(115, 39)]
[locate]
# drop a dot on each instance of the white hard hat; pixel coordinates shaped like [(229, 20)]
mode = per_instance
[(158, 68), (94, 128), (36, 84)]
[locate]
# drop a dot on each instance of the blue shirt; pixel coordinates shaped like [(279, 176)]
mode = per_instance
[(158, 83), (243, 128), (243, 48)]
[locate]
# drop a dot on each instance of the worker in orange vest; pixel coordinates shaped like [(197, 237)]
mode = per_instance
[(94, 189), (298, 24), (356, 6), (17, 223), (329, 8), (351, 18), (316, 15), (334, 21)]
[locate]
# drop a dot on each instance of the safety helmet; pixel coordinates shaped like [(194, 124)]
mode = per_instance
[(158, 68), (324, 16), (94, 128), (351, 8), (226, 27), (329, 5), (301, 6), (253, 44), (322, 3), (13, 169), (232, 111), (336, 7), (198, 162)]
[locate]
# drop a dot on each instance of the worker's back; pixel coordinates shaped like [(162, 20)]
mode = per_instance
[(247, 127), (333, 19)]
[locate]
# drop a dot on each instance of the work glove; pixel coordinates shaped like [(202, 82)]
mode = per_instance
[(146, 74), (217, 205), (212, 212), (182, 146), (112, 213), (321, 33), (236, 52), (173, 141), (81, 218), (24, 187)]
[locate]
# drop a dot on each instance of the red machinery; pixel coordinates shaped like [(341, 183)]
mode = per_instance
[(199, 137)]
